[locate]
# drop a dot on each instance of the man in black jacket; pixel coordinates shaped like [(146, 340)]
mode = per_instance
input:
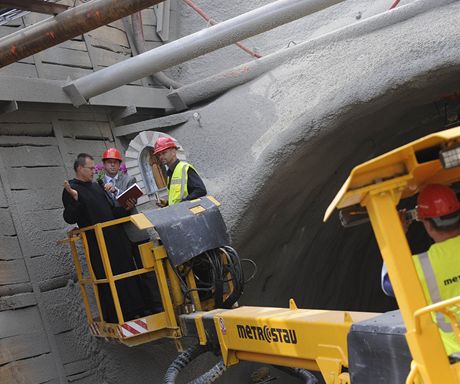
[(86, 203)]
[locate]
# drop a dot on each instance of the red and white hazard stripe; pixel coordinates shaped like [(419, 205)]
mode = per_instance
[(94, 328), (133, 328)]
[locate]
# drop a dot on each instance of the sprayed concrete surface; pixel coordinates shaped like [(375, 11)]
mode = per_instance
[(274, 152), (286, 142)]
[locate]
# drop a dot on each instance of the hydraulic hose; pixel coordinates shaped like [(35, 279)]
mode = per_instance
[(300, 373), (191, 353), (181, 361)]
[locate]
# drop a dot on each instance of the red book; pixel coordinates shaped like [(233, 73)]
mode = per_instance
[(133, 192)]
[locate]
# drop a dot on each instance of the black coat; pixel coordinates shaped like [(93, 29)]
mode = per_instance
[(95, 206)]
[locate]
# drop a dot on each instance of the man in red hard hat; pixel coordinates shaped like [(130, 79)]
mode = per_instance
[(115, 181), (438, 269), (183, 181)]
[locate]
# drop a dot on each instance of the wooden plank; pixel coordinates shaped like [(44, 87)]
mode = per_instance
[(25, 116), (33, 129), (86, 129), (37, 112), (10, 249), (27, 60), (49, 198), (19, 322), (8, 29), (32, 18), (106, 58), (14, 289), (6, 223), (65, 56), (89, 146), (3, 200), (160, 122), (72, 44), (24, 140), (97, 43), (19, 69), (33, 178), (22, 347), (60, 72), (20, 300), (13, 272), (111, 35), (151, 35), (148, 18), (118, 24), (34, 370), (31, 156)]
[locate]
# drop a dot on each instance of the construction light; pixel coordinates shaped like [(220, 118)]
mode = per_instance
[(450, 158)]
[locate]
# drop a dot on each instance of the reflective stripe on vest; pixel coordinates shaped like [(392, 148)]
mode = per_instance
[(177, 185), (433, 289)]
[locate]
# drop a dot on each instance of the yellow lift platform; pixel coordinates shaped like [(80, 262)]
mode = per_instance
[(301, 338)]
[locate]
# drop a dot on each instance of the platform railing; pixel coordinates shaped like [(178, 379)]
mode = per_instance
[(153, 257), (449, 308)]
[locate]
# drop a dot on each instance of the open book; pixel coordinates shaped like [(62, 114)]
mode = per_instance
[(133, 192)]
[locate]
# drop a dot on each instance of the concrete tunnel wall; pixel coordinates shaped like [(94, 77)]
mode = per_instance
[(274, 151), (287, 141)]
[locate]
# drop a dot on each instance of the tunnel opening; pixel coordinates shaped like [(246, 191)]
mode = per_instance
[(323, 265)]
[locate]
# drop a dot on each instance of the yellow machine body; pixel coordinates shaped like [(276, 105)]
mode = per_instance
[(379, 185), (302, 338), (138, 331), (311, 339)]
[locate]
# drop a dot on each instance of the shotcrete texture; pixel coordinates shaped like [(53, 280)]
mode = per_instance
[(274, 151), (277, 150)]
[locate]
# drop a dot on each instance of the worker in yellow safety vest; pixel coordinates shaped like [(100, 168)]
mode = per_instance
[(183, 181), (439, 268)]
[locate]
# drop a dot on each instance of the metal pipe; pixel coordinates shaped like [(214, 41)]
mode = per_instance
[(66, 25), (201, 90), (211, 21), (139, 45), (189, 47)]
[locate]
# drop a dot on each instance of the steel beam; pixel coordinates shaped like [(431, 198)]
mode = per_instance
[(29, 90), (34, 6), (189, 47), (66, 25)]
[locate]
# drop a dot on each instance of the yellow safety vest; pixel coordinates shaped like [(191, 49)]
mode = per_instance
[(177, 184), (439, 272)]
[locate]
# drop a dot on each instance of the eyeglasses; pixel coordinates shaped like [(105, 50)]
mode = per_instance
[(92, 168)]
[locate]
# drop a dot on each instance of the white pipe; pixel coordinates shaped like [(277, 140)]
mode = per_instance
[(189, 47)]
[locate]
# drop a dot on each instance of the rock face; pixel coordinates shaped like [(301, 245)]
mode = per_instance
[(273, 151)]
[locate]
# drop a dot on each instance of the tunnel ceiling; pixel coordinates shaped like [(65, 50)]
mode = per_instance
[(292, 136)]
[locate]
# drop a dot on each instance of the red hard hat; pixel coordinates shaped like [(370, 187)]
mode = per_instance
[(436, 200), (112, 153), (163, 143)]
